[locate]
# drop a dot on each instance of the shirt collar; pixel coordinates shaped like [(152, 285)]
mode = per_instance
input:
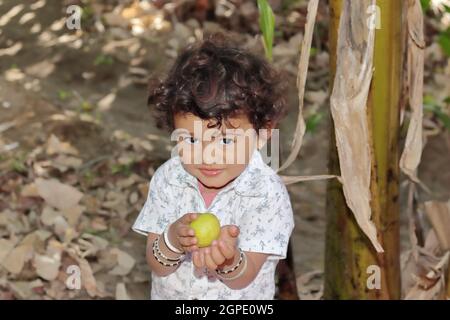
[(248, 183)]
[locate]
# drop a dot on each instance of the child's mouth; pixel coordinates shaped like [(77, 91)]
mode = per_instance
[(211, 172)]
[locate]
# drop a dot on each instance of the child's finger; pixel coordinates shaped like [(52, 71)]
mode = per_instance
[(202, 257), (217, 255), (185, 231), (187, 241), (232, 230), (190, 248), (188, 217), (209, 261), (196, 259), (226, 250)]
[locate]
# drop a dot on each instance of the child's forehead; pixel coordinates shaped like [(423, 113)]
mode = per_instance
[(189, 121)]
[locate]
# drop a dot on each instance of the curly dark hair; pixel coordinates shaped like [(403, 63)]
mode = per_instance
[(214, 79)]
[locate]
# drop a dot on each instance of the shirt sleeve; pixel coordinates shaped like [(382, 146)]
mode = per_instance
[(267, 227), (157, 210)]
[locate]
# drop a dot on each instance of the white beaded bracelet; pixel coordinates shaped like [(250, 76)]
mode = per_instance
[(167, 242), (236, 276)]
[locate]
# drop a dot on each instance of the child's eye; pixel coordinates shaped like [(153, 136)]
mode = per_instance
[(226, 141), (191, 140)]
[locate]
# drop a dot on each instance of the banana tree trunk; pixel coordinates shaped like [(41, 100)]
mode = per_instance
[(352, 265)]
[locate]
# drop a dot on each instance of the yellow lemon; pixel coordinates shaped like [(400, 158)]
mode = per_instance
[(207, 229)]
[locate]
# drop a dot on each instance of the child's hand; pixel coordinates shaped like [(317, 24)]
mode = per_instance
[(181, 235), (221, 250)]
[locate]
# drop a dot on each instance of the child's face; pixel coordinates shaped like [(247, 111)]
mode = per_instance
[(212, 155)]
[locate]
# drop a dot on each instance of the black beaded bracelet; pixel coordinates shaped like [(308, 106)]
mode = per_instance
[(154, 249), (241, 258), (158, 250)]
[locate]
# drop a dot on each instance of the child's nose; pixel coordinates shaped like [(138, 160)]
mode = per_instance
[(212, 153)]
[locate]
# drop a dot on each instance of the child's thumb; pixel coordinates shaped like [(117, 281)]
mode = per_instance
[(233, 231)]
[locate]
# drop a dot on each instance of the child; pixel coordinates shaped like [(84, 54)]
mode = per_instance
[(231, 95)]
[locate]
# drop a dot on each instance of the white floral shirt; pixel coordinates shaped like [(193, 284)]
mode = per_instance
[(257, 201)]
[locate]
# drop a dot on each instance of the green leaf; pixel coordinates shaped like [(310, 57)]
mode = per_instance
[(63, 94), (444, 41), (102, 59), (313, 121), (267, 26), (125, 169), (429, 100), (447, 100), (431, 106), (86, 106), (18, 165), (425, 4), (444, 118)]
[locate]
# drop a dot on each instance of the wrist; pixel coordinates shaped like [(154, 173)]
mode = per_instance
[(162, 258), (166, 250), (171, 240), (229, 263), (236, 271)]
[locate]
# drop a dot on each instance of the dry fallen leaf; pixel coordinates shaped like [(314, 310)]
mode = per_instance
[(13, 222), (48, 215), (90, 245), (423, 278), (5, 248), (29, 190), (24, 289), (63, 162), (15, 260), (73, 214), (121, 292), (56, 146), (87, 276), (47, 267), (99, 224), (57, 194), (36, 239), (125, 263)]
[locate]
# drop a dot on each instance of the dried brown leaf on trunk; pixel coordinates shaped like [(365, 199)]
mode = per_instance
[(439, 215), (348, 107), (301, 81), (412, 152), (412, 227)]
